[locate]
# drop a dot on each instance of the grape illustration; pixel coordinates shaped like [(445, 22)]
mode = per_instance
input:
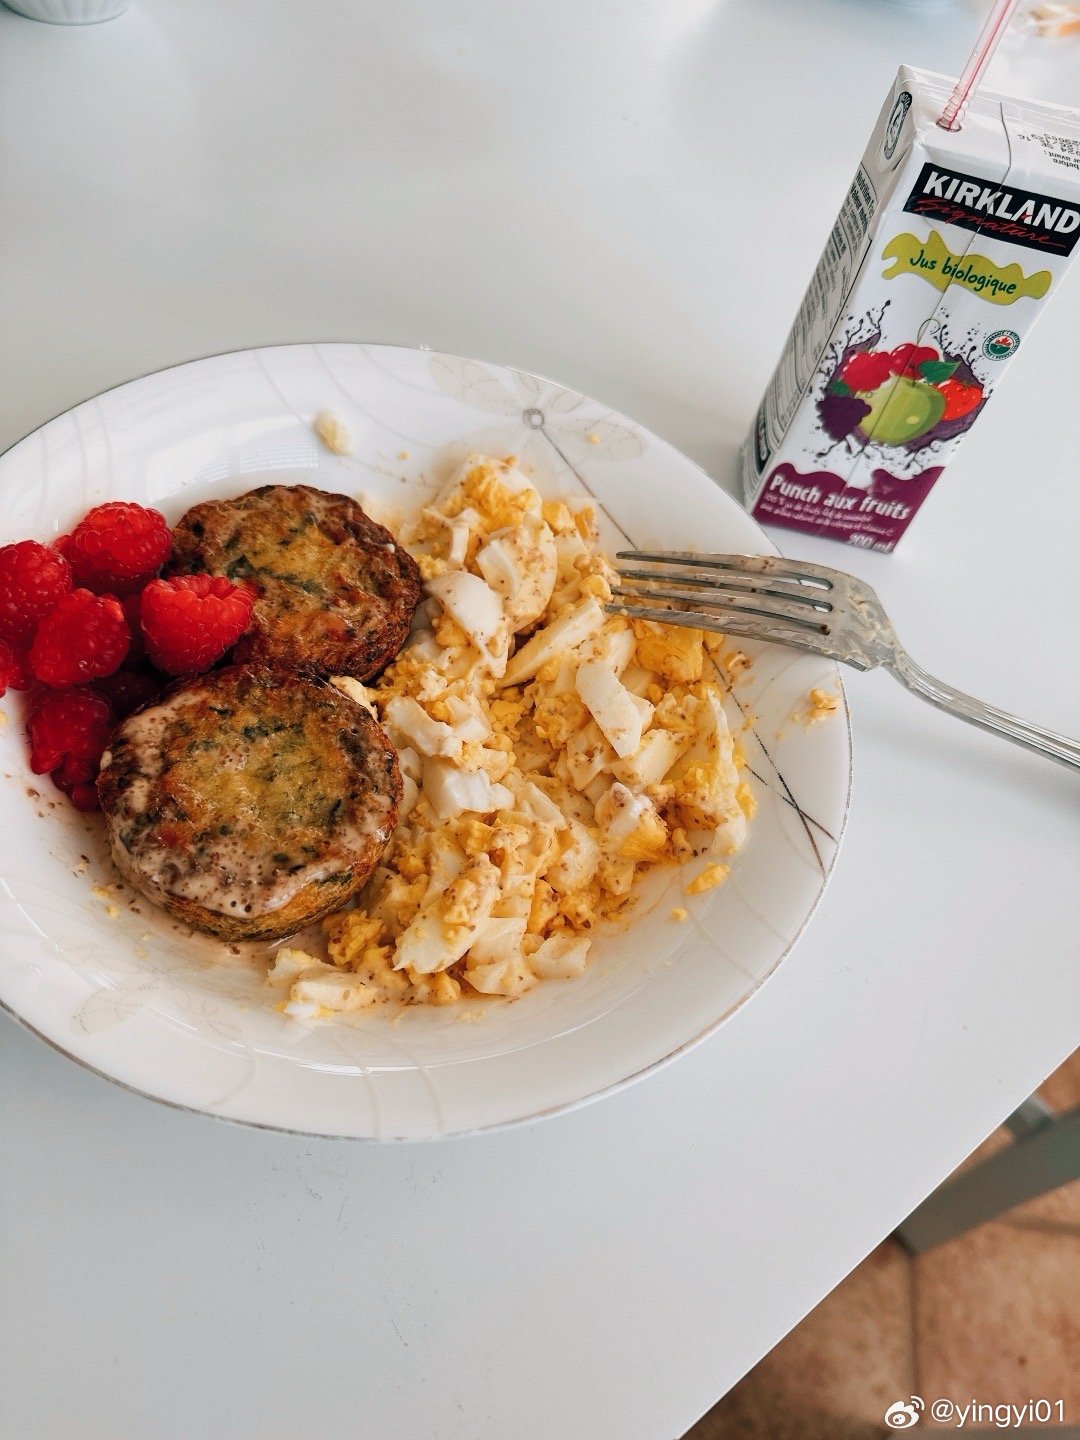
[(841, 414)]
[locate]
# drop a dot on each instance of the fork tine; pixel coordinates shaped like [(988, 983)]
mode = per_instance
[(748, 627), (801, 571), (737, 604), (686, 618), (730, 580)]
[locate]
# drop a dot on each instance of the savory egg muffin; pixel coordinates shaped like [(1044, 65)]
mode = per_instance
[(336, 592), (250, 803)]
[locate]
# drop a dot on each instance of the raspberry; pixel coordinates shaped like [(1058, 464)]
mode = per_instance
[(866, 370), (189, 622), (32, 580), (14, 670), (68, 734), (117, 547), (83, 636)]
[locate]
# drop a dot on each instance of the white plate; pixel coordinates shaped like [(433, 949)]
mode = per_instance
[(145, 1003)]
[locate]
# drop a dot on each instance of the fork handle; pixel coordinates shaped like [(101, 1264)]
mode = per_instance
[(999, 722)]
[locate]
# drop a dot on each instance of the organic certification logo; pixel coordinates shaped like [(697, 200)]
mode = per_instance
[(1000, 344)]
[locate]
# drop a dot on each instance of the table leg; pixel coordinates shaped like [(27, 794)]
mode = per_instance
[(1044, 1155)]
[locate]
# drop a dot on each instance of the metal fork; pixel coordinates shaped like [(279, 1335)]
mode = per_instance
[(809, 607)]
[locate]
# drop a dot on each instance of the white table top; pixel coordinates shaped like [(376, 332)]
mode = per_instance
[(566, 188)]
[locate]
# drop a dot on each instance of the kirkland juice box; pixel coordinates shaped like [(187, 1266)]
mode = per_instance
[(946, 249)]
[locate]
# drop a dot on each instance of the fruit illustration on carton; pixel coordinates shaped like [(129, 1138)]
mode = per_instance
[(904, 396), (899, 341)]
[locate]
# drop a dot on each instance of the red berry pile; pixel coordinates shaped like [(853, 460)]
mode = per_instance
[(87, 623)]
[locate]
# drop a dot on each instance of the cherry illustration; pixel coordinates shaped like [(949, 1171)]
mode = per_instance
[(906, 358)]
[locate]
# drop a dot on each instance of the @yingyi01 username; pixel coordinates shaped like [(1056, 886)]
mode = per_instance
[(905, 1414)]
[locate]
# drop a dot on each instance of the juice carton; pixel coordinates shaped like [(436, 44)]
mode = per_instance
[(946, 248)]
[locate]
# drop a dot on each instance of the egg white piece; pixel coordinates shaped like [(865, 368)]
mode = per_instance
[(434, 941), (499, 940), (578, 862), (570, 629), (471, 603), (511, 977), (408, 723), (620, 715), (619, 812), (521, 565), (652, 760), (560, 957), (451, 790)]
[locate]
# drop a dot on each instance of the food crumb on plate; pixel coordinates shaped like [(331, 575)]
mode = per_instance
[(678, 914), (735, 663), (709, 878), (403, 455), (333, 432), (820, 705), (112, 911)]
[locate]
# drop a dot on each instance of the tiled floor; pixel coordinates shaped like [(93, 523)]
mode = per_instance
[(993, 1316)]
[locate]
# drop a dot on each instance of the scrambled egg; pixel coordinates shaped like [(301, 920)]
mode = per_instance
[(550, 754), (820, 704), (709, 878)]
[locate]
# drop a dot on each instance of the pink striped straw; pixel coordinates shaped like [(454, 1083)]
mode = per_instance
[(996, 24)]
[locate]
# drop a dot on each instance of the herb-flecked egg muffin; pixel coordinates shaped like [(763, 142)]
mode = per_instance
[(249, 802), (337, 593)]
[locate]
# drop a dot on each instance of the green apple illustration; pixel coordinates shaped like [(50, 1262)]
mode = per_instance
[(901, 410)]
